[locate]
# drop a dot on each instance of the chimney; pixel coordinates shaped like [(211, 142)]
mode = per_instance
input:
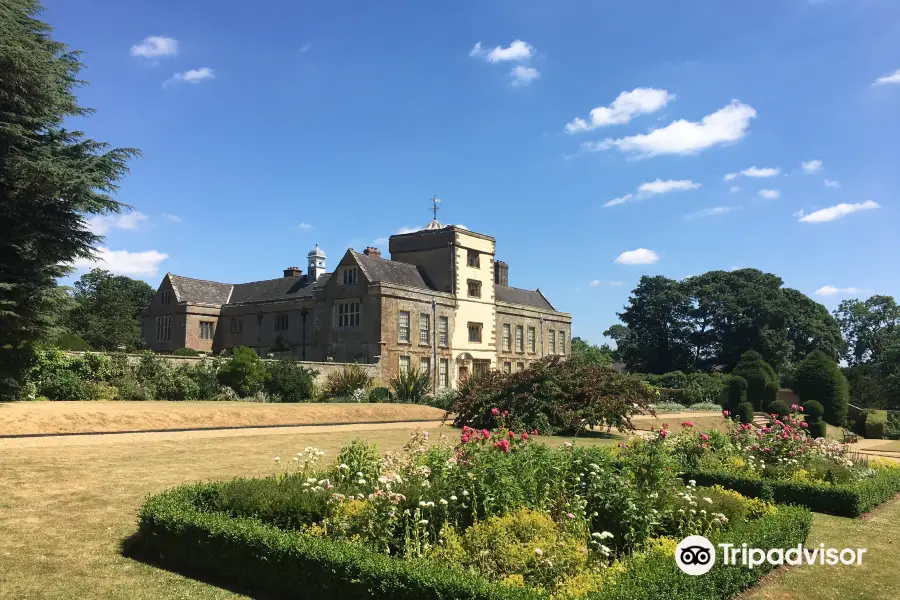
[(501, 273), (293, 272), (372, 251)]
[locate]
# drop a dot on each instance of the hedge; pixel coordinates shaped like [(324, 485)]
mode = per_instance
[(876, 424), (176, 531), (843, 500)]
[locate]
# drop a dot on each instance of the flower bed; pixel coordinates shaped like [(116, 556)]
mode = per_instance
[(493, 516)]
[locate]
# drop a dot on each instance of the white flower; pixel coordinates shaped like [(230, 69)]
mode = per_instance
[(361, 482), (708, 500), (342, 466), (538, 551), (692, 483), (465, 492), (443, 502), (277, 459), (453, 497), (423, 522), (422, 504)]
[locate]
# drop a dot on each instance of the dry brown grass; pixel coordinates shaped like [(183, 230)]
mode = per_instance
[(18, 418)]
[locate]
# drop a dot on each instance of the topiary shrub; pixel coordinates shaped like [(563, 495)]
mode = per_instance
[(289, 382), (380, 394), (758, 373), (71, 341), (778, 407), (876, 424), (817, 429), (818, 377), (410, 387), (244, 372), (745, 412), (737, 393), (185, 352), (771, 392), (346, 381), (813, 410)]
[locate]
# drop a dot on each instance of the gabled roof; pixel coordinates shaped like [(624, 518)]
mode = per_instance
[(283, 288), (382, 270), (513, 295), (201, 291)]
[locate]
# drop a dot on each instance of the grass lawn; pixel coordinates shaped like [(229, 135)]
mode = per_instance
[(893, 446)]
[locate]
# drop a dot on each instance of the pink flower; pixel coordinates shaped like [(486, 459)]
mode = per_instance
[(495, 411), (725, 413), (800, 409), (511, 434), (704, 437), (524, 435), (486, 434), (505, 413), (663, 433), (804, 425), (687, 424), (502, 445), (570, 515)]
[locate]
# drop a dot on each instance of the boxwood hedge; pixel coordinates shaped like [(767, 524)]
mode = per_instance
[(177, 530), (842, 500)]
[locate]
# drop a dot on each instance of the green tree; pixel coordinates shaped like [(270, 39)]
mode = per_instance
[(887, 373), (758, 374), (819, 378), (50, 176), (244, 372), (591, 353), (868, 326), (107, 312)]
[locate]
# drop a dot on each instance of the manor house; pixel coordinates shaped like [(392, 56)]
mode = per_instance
[(440, 304)]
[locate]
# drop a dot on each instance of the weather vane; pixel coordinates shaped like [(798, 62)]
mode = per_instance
[(434, 208)]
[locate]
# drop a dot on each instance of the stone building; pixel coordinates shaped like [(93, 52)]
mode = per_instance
[(440, 304)]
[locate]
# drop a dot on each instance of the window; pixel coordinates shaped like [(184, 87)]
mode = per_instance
[(281, 322), (443, 327), (237, 326), (562, 342), (165, 297), (474, 288), (206, 330), (475, 333), (473, 259), (425, 365), (507, 367), (520, 341), (443, 372), (531, 339), (350, 276), (520, 367), (403, 326), (551, 342), (347, 314), (506, 340), (163, 329), (404, 364), (424, 328), (481, 367)]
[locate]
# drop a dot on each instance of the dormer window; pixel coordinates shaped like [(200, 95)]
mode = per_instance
[(473, 259), (349, 276)]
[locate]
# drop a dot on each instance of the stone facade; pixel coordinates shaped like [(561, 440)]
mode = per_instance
[(441, 303)]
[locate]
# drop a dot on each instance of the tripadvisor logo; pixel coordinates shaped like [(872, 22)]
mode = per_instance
[(696, 555)]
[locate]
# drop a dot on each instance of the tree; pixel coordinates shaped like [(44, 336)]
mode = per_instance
[(107, 312), (598, 355), (819, 378), (50, 176), (868, 327)]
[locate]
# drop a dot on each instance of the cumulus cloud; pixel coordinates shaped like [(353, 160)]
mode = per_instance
[(653, 188), (892, 78), (619, 200), (769, 194), (755, 172), (171, 217), (600, 282), (304, 226), (832, 184), (102, 224), (641, 256), (811, 166), (523, 76), (192, 76), (517, 50), (830, 290), (836, 212), (626, 106), (711, 212), (123, 262), (727, 125), (155, 46)]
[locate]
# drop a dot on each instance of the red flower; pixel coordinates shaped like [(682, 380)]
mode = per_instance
[(502, 445), (495, 411), (524, 435), (511, 434), (725, 413), (486, 434), (687, 424), (704, 437)]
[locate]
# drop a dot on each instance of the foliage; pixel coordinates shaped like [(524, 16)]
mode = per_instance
[(745, 412), (869, 326), (669, 407), (876, 424), (737, 393), (758, 374), (51, 177), (817, 429), (347, 380), (244, 373), (185, 352), (553, 395), (706, 406), (380, 394), (709, 321), (778, 407), (597, 355), (107, 311), (410, 387), (818, 377), (691, 388), (813, 410), (289, 382), (73, 342), (771, 392)]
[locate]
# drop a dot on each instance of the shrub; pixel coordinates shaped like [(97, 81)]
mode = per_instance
[(813, 410), (690, 388), (410, 387), (102, 391), (703, 406), (64, 385), (130, 389), (185, 352), (757, 373), (345, 381), (818, 377), (745, 412), (669, 407), (876, 424), (290, 382), (737, 393), (771, 394), (72, 341), (380, 394), (205, 375), (817, 429), (244, 372), (778, 407), (443, 399)]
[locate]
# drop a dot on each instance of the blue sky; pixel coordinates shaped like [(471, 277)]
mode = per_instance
[(268, 127)]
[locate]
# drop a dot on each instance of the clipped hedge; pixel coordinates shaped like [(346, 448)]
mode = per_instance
[(876, 424), (177, 530), (843, 500)]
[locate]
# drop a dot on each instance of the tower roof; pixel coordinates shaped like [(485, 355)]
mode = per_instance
[(317, 252)]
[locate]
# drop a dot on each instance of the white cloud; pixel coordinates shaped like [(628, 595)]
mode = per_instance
[(755, 172), (769, 194), (811, 166), (461, 226), (171, 217), (641, 256), (832, 184), (123, 262), (517, 50), (838, 211), (304, 226), (892, 78), (662, 187), (598, 283), (626, 106), (711, 212), (830, 290), (101, 224), (726, 125), (305, 47), (192, 76), (734, 189), (155, 46), (523, 76), (403, 230), (620, 200)]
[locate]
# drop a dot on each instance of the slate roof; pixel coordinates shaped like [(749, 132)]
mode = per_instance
[(390, 271), (513, 295), (199, 290)]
